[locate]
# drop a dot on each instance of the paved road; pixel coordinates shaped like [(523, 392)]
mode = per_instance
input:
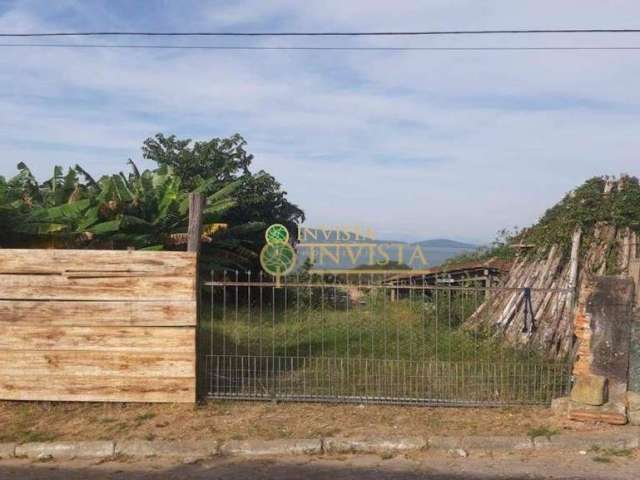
[(428, 465)]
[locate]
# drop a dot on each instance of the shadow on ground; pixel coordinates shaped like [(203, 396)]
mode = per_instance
[(361, 468)]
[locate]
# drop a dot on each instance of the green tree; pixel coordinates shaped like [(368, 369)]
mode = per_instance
[(260, 197), (222, 159)]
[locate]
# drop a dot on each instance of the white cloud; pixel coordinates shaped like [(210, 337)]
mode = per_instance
[(413, 144)]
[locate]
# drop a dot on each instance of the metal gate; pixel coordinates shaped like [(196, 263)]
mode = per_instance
[(362, 338)]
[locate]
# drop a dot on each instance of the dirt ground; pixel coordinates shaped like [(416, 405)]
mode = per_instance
[(224, 420), (421, 465)]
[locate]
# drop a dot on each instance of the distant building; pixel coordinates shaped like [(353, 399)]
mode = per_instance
[(474, 273)]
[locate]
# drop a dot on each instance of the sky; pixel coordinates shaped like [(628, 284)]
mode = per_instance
[(413, 145)]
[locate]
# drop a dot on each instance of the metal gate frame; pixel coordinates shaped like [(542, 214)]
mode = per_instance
[(363, 339)]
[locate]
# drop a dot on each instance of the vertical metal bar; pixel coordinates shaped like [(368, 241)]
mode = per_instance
[(209, 364), (278, 379), (449, 320), (218, 392), (404, 391), (360, 326), (254, 391), (322, 319), (385, 322), (260, 333), (335, 320), (532, 393), (285, 322), (423, 316), (298, 320), (372, 316), (411, 334), (437, 314), (273, 339), (240, 374), (397, 320), (248, 314), (350, 291), (366, 378), (235, 330), (309, 318), (304, 376), (236, 323), (224, 312)]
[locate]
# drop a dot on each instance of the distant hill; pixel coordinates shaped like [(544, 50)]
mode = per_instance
[(436, 251), (445, 243)]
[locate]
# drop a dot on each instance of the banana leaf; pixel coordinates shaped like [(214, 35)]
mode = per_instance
[(106, 227)]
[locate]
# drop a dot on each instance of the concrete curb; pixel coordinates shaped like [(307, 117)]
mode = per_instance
[(376, 445), (272, 447), (8, 450), (65, 450), (167, 449), (585, 441), (191, 451)]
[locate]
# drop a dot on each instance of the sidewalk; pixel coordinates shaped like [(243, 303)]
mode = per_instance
[(188, 452)]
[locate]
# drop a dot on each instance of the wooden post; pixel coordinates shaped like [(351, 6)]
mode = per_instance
[(573, 268), (196, 206)]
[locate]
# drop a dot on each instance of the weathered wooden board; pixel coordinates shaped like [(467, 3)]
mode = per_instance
[(89, 262), (83, 325), (86, 314), (105, 339), (59, 287), (83, 363), (97, 388)]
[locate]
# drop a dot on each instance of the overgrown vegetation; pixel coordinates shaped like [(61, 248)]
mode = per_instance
[(585, 207), (149, 209)]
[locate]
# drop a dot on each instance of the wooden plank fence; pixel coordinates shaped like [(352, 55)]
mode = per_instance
[(87, 325)]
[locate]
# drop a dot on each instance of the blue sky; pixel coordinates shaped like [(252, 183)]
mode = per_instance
[(414, 145)]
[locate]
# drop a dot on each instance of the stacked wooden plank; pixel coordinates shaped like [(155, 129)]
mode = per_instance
[(97, 325), (557, 279)]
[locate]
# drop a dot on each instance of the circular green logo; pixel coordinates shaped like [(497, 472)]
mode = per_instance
[(278, 258), (276, 233)]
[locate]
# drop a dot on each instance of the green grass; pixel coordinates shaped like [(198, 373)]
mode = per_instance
[(541, 432), (604, 455), (142, 418), (22, 433), (21, 429), (404, 330)]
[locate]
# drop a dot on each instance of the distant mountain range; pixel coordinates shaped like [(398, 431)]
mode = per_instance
[(332, 245)]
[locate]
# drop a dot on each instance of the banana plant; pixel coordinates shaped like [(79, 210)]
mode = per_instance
[(144, 210)]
